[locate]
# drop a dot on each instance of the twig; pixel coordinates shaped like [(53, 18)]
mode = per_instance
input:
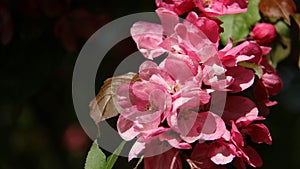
[(139, 162)]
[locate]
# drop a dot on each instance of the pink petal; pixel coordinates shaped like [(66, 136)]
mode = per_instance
[(174, 141), (153, 132), (205, 125), (222, 153), (260, 92), (238, 106), (226, 136), (259, 133), (236, 136), (208, 26), (265, 50), (192, 97), (178, 6), (220, 129), (169, 20), (254, 158), (252, 49), (187, 123), (272, 83), (248, 119), (142, 90), (159, 100), (183, 70), (124, 96), (148, 36), (147, 69), (243, 78), (154, 146), (247, 51), (229, 61), (126, 128), (136, 150), (200, 157)]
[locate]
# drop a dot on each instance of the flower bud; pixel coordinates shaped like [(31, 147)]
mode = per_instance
[(264, 33)]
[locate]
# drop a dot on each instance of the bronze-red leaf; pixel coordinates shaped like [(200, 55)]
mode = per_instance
[(278, 9), (104, 106)]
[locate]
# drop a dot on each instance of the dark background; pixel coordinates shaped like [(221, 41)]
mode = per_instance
[(40, 41)]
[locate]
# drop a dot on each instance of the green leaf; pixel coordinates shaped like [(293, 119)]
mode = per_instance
[(257, 68), (96, 159), (282, 48), (111, 160), (237, 26)]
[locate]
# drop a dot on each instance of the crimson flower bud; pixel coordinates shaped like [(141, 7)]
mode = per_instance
[(264, 33)]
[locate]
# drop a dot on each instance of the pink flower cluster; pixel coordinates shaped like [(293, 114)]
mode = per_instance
[(209, 7), (169, 109)]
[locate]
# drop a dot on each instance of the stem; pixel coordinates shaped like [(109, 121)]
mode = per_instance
[(139, 162), (173, 160)]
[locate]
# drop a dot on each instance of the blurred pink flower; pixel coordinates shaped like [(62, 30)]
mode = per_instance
[(6, 24), (75, 139), (78, 25)]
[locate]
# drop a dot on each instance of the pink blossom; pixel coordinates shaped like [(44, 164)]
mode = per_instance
[(178, 6), (208, 7), (150, 146), (250, 156), (264, 33), (161, 91), (270, 78), (219, 7), (209, 26), (168, 109), (193, 126), (242, 78), (248, 51), (197, 36), (142, 114), (6, 24), (212, 155), (259, 133), (269, 85)]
